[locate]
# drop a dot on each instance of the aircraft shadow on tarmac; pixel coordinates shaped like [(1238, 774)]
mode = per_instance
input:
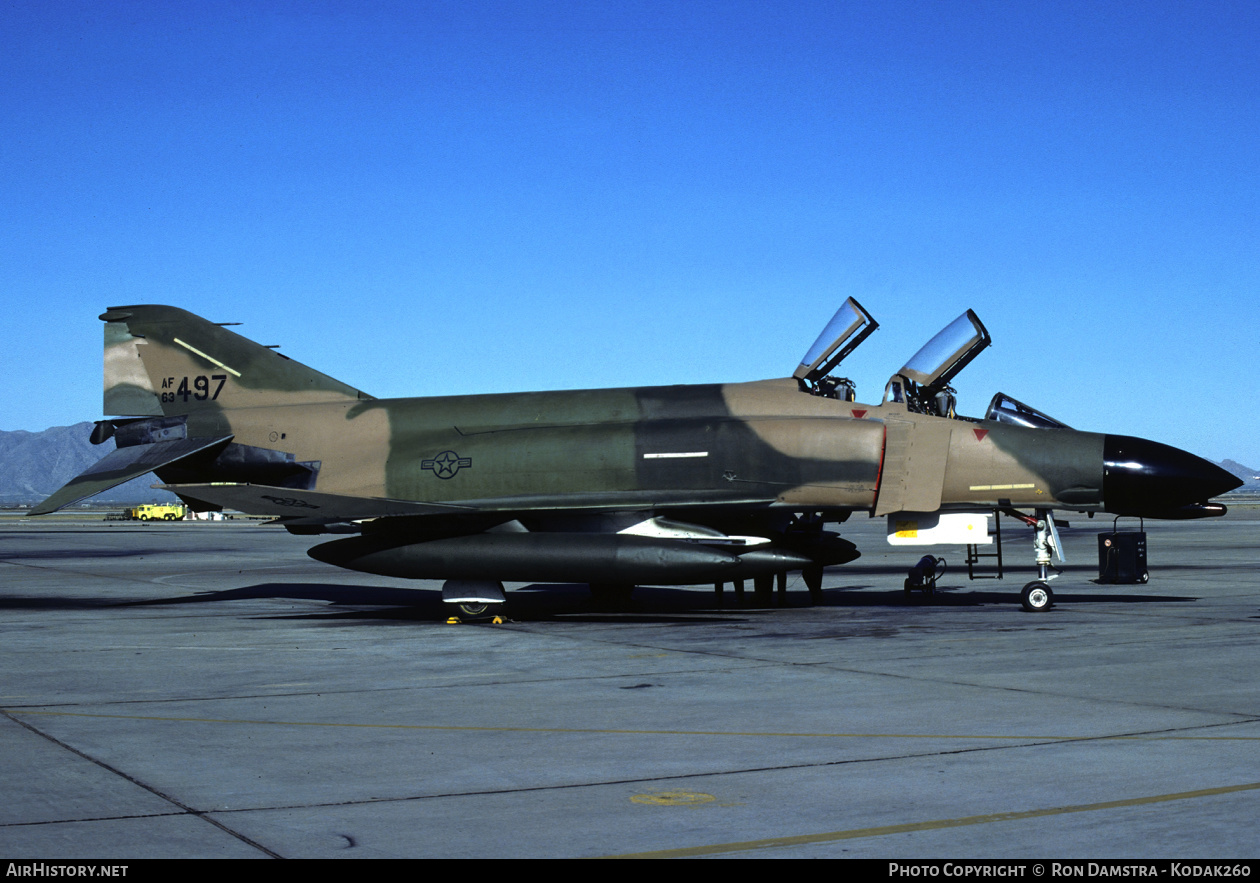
[(649, 604), (533, 602)]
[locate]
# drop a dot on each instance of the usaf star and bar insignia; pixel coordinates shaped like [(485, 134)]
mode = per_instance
[(446, 464)]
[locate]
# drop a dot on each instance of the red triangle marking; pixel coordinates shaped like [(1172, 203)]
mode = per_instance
[(980, 434), (859, 414)]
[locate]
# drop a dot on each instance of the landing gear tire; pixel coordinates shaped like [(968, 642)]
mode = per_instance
[(1036, 597), (479, 611)]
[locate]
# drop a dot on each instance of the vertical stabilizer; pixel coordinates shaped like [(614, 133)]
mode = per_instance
[(164, 361)]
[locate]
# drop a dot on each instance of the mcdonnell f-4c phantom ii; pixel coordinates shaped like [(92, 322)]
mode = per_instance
[(666, 485)]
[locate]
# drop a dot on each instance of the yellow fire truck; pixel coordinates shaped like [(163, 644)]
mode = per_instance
[(154, 512)]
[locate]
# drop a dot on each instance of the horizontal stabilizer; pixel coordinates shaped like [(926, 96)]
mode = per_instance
[(260, 499), (122, 465)]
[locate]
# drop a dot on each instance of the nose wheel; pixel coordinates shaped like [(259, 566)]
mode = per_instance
[(1036, 597)]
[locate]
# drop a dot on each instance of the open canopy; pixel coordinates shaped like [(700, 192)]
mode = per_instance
[(951, 350), (848, 327)]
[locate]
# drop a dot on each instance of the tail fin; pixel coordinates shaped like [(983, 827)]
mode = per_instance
[(164, 361)]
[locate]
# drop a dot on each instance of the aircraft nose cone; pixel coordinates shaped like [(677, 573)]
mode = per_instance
[(1142, 477)]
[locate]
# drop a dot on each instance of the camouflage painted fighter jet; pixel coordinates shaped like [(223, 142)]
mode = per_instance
[(667, 485)]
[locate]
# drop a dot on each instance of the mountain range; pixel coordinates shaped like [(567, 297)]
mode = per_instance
[(1246, 473), (34, 464)]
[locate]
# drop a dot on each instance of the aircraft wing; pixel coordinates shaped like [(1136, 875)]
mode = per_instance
[(261, 499), (124, 464)]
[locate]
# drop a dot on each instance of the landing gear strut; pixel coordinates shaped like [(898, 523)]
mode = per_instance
[(1037, 595)]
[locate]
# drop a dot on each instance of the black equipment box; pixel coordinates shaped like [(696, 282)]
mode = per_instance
[(1122, 557)]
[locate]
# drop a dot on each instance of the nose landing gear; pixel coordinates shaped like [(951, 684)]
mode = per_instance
[(1037, 595)]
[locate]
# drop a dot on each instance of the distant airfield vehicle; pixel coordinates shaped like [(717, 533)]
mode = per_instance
[(667, 485), (154, 512)]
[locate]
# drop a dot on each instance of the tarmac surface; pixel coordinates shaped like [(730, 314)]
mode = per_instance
[(205, 689)]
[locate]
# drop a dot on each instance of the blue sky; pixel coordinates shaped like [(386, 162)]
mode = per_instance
[(445, 198)]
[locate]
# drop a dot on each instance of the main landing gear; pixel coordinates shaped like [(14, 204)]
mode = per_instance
[(476, 600)]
